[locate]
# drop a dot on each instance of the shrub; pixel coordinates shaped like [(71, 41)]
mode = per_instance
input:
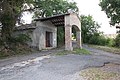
[(117, 41), (21, 38), (97, 39), (110, 42), (93, 40), (14, 45), (102, 41)]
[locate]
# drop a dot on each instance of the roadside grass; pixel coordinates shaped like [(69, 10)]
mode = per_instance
[(98, 74), (64, 52), (75, 51), (106, 48), (81, 51)]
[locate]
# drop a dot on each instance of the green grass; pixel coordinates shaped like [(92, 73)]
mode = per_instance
[(75, 51), (107, 49), (64, 52), (81, 51)]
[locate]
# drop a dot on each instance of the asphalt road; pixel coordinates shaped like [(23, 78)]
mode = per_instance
[(66, 67)]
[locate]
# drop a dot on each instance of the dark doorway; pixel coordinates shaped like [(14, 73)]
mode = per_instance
[(48, 39)]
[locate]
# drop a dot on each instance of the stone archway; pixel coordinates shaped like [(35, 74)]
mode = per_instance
[(72, 20), (76, 32), (67, 20)]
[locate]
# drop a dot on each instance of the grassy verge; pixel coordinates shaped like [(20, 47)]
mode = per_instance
[(75, 51), (107, 49), (80, 51)]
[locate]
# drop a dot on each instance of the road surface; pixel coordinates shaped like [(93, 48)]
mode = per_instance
[(53, 67)]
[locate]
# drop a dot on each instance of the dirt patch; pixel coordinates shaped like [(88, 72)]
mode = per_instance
[(107, 72)]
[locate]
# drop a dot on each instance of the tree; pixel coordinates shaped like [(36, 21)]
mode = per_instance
[(112, 9), (10, 13), (46, 8), (89, 27)]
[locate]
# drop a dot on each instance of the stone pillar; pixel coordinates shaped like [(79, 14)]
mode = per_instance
[(68, 38), (78, 36)]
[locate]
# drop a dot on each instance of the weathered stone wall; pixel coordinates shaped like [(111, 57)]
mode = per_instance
[(75, 20), (39, 34)]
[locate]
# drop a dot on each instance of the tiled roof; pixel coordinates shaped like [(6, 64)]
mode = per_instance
[(57, 20), (25, 27)]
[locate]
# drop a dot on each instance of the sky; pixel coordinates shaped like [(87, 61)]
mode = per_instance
[(91, 7)]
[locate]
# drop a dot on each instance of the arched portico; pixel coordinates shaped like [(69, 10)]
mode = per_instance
[(68, 21), (77, 35), (72, 20)]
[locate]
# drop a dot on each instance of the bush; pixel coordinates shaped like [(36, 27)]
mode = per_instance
[(93, 40), (97, 39), (14, 45), (117, 41), (102, 40), (21, 38), (110, 42)]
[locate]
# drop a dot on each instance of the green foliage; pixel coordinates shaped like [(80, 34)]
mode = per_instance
[(61, 53), (89, 28), (75, 51), (23, 38), (98, 39), (10, 14), (55, 7), (15, 45), (19, 39), (112, 9), (117, 41), (80, 51), (110, 42), (60, 36), (90, 33)]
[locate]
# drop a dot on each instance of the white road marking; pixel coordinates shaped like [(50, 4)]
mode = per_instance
[(24, 63)]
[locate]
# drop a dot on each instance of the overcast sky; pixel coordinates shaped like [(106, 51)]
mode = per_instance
[(91, 7)]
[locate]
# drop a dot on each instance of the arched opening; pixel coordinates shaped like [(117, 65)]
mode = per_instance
[(76, 37)]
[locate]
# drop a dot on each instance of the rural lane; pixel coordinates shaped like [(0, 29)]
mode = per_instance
[(53, 67)]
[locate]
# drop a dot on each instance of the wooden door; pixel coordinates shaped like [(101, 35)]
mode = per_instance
[(48, 39)]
